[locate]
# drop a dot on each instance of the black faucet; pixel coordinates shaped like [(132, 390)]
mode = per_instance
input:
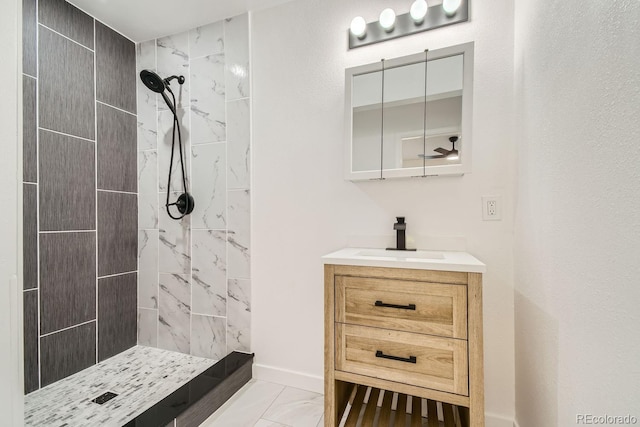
[(401, 237)]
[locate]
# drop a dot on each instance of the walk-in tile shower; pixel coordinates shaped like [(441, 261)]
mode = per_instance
[(105, 267)]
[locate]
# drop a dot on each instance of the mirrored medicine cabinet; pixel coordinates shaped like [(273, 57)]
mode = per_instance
[(410, 116)]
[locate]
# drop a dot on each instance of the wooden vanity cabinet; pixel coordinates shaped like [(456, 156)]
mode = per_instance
[(417, 332)]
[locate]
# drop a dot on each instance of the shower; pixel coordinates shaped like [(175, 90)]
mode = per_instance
[(185, 202)]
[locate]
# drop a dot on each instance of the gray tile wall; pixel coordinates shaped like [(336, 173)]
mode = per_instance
[(30, 235), (117, 233), (116, 69), (29, 38), (65, 85), (194, 284), (80, 192), (67, 280), (31, 339), (116, 147), (116, 314), (67, 20), (66, 352), (29, 130), (67, 183)]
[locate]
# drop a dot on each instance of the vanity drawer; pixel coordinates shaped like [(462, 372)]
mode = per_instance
[(422, 307), (421, 360)]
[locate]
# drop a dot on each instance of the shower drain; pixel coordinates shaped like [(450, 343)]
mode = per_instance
[(104, 398)]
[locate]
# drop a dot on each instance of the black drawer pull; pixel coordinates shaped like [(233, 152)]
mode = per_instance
[(410, 359), (403, 307)]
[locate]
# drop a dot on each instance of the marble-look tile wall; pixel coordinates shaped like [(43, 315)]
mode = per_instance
[(79, 192), (194, 285)]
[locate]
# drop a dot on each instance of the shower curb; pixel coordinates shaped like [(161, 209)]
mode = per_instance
[(194, 402)]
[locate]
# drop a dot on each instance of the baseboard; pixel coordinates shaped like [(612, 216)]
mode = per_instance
[(515, 424), (493, 420), (289, 378)]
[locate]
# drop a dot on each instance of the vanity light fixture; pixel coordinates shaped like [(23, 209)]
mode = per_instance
[(359, 27), (418, 11), (387, 19), (421, 17), (450, 7)]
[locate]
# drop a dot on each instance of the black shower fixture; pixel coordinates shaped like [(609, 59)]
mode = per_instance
[(185, 202), (160, 85)]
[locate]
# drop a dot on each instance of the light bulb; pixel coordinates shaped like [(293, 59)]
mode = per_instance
[(387, 19), (450, 7), (359, 27), (418, 11)]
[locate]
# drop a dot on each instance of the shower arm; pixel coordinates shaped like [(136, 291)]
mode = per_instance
[(167, 81)]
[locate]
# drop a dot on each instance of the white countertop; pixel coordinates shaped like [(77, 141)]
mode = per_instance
[(418, 260)]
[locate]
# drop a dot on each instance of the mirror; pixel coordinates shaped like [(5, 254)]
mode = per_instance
[(397, 127), (367, 114), (403, 114)]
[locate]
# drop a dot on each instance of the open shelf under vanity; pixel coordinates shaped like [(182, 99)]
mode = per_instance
[(372, 407)]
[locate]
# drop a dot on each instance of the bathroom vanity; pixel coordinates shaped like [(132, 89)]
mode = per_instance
[(403, 322)]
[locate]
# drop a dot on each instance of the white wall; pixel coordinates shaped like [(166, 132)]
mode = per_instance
[(303, 208), (577, 251), (10, 297)]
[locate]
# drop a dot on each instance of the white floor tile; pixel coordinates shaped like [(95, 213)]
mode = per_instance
[(246, 407), (296, 408), (267, 423)]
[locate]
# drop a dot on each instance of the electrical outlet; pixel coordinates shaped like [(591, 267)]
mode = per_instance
[(491, 208)]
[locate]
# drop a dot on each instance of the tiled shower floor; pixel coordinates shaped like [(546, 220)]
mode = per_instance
[(141, 376)]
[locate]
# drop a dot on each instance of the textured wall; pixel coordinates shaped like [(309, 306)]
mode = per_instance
[(194, 288), (79, 191), (577, 222), (303, 208)]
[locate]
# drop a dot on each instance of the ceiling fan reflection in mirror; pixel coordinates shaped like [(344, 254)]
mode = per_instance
[(444, 153)]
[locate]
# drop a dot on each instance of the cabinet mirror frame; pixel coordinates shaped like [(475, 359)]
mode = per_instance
[(465, 133)]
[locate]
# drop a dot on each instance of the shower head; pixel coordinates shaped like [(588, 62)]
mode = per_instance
[(160, 85), (152, 81)]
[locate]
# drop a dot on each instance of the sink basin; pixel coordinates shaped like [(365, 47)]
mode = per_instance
[(381, 253)]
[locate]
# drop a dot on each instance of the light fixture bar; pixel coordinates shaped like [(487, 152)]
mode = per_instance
[(405, 25)]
